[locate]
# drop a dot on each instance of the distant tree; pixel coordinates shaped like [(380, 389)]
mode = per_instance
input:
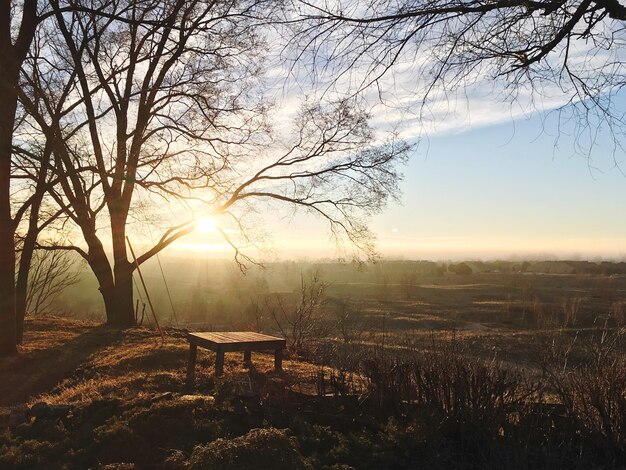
[(462, 269), (441, 269), (409, 281), (160, 110), (567, 49)]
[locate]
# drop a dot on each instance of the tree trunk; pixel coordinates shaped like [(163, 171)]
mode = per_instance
[(116, 291), (11, 56), (21, 289), (124, 314), (117, 294), (8, 103), (26, 257), (115, 285), (101, 268), (7, 280)]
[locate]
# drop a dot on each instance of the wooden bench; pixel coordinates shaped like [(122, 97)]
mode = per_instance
[(222, 342)]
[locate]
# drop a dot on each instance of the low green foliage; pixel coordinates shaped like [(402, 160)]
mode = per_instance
[(259, 448), (26, 455)]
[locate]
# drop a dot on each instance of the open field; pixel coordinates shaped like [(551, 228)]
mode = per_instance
[(388, 367), (508, 316)]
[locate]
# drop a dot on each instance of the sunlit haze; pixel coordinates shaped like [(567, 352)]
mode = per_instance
[(205, 225), (502, 190)]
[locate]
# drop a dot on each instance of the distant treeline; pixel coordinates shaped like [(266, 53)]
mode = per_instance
[(432, 268), (218, 286), (603, 268)]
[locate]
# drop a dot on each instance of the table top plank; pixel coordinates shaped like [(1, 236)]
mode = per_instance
[(233, 336), (235, 340)]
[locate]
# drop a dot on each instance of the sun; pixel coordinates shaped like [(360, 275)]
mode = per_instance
[(205, 225)]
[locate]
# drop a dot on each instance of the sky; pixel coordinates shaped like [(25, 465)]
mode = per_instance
[(488, 179), (505, 189)]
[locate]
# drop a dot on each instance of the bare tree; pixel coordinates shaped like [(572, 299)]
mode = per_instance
[(570, 50), (52, 271), (31, 175), (18, 21), (159, 106), (304, 321)]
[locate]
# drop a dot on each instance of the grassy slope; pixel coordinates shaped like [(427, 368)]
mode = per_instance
[(122, 398), (67, 361), (118, 397)]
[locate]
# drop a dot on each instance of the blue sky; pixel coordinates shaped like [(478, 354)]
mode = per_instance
[(505, 190)]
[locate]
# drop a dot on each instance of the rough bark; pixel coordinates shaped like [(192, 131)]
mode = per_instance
[(12, 53), (8, 104), (124, 314), (28, 248), (21, 285), (101, 268), (115, 285)]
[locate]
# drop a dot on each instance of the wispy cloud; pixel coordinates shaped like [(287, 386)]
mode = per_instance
[(398, 100)]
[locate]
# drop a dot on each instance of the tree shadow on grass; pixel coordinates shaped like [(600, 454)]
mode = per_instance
[(56, 357)]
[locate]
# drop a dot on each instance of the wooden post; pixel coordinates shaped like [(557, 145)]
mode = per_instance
[(143, 283), (247, 358), (191, 364), (278, 360), (219, 363)]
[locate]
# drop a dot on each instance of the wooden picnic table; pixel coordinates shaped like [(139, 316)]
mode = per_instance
[(229, 341)]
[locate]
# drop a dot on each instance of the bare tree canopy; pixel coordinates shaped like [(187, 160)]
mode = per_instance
[(569, 51), (50, 273), (154, 112)]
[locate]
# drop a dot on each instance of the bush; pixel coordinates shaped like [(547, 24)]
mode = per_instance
[(596, 396), (461, 269), (28, 455), (259, 448)]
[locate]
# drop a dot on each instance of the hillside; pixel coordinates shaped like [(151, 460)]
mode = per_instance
[(82, 395), (75, 383)]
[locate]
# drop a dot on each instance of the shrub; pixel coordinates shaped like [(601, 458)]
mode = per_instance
[(446, 383), (305, 321), (259, 448), (28, 455), (596, 396), (461, 269)]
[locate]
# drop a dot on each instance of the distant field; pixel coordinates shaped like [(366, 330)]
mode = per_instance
[(489, 301), (404, 299), (392, 365)]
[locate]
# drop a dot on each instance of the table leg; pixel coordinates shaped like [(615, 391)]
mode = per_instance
[(219, 363), (191, 364), (247, 358), (278, 360)]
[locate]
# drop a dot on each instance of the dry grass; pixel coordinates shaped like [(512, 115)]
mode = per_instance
[(74, 362), (379, 400), (53, 348), (480, 371)]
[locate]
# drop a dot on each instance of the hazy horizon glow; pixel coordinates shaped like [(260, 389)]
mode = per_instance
[(489, 191), (488, 180)]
